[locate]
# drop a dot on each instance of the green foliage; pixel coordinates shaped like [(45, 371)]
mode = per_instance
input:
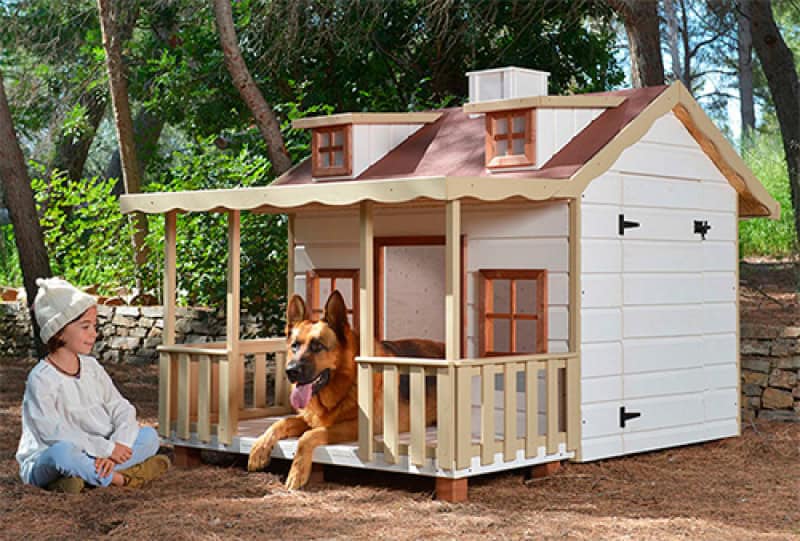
[(202, 244), (776, 238), (10, 272), (87, 239)]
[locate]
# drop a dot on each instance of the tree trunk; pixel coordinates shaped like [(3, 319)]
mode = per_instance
[(778, 65), (745, 65), (671, 16), (22, 206), (112, 43), (147, 129), (644, 40), (71, 152), (262, 112)]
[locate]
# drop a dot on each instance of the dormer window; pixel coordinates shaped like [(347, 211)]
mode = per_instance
[(331, 151), (509, 138)]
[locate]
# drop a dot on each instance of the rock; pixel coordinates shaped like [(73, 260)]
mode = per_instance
[(104, 311), (125, 343), (791, 332), (155, 331), (775, 399), (755, 330), (128, 311), (152, 342), (183, 326), (138, 332), (757, 378), (196, 339), (153, 312), (782, 347), (111, 356), (123, 321), (779, 415), (789, 363), (754, 402), (751, 389), (755, 347), (782, 379), (146, 322), (756, 365)]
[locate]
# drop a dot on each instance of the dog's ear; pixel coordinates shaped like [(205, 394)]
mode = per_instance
[(295, 312), (336, 315)]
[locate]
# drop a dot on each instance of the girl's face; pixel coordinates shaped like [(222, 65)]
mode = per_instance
[(80, 335)]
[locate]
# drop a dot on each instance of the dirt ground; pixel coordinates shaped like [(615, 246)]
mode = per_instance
[(740, 488)]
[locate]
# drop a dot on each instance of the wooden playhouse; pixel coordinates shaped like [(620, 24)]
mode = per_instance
[(578, 256)]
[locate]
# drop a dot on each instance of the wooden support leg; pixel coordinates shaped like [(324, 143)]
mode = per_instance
[(317, 474), (451, 490), (187, 457), (545, 470)]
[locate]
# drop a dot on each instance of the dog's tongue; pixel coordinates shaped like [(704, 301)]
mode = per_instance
[(301, 394)]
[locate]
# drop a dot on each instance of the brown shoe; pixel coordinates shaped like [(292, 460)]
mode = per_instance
[(67, 485), (139, 475)]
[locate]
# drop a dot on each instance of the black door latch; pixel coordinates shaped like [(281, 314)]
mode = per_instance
[(626, 416), (701, 227), (625, 224)]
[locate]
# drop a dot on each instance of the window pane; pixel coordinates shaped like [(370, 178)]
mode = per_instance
[(526, 336), (501, 126), (324, 159), (338, 138), (502, 147), (345, 287), (519, 146), (501, 301), (519, 124), (324, 291), (526, 296), (324, 139), (502, 334), (338, 158)]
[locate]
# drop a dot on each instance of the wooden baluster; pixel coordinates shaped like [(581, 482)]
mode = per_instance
[(204, 399), (390, 414), (417, 413), (531, 409), (487, 414), (260, 380), (510, 411), (184, 391)]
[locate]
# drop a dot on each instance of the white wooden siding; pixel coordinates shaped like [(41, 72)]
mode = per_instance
[(371, 142), (556, 127), (668, 348)]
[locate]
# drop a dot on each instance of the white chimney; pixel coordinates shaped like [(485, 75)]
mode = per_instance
[(506, 83)]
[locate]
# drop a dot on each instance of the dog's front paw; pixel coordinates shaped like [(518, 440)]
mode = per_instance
[(298, 475), (261, 452)]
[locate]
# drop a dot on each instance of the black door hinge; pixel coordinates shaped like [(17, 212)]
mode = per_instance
[(625, 224), (626, 416), (701, 227)]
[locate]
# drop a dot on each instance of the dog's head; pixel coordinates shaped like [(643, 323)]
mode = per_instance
[(314, 346)]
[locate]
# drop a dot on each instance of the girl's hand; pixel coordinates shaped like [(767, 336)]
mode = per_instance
[(121, 453), (103, 466)]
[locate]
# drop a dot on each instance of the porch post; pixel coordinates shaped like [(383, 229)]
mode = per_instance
[(229, 369), (290, 259), (168, 337), (366, 329), (573, 376), (446, 390)]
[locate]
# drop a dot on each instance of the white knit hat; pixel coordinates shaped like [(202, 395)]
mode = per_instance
[(57, 303)]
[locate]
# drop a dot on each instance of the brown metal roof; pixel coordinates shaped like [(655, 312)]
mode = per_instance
[(453, 146)]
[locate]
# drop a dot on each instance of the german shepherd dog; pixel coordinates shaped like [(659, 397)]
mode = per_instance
[(322, 368)]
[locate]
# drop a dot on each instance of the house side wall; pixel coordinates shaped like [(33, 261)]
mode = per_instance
[(497, 236), (659, 312), (371, 142), (555, 128)]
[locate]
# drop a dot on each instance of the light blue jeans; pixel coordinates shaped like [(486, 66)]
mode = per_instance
[(64, 459)]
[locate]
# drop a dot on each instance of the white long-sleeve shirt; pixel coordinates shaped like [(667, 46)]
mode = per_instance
[(87, 411)]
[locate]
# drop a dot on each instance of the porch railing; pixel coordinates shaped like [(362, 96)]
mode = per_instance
[(535, 407), (206, 389)]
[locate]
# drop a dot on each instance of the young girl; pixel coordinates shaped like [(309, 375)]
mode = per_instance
[(76, 426)]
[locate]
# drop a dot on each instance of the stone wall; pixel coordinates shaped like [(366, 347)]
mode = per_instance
[(130, 334), (770, 372)]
